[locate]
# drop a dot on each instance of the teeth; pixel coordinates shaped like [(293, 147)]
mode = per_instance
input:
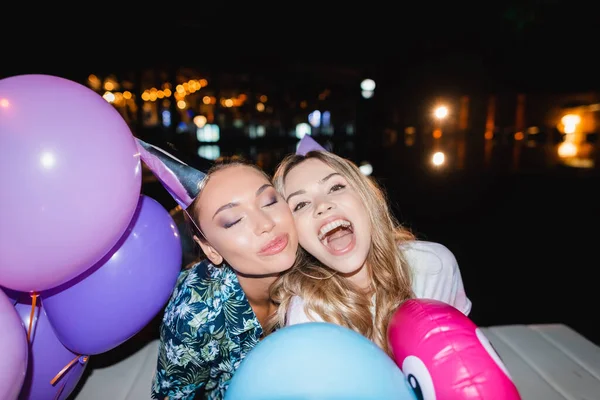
[(331, 226)]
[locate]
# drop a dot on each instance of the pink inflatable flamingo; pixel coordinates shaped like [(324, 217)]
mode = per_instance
[(444, 355)]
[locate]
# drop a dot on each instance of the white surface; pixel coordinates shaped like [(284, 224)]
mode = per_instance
[(129, 379), (547, 362)]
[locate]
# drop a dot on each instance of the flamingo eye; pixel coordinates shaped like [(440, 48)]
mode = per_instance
[(419, 378)]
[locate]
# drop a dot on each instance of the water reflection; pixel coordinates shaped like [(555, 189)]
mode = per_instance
[(412, 152), (522, 151)]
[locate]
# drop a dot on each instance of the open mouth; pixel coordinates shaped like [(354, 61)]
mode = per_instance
[(337, 235)]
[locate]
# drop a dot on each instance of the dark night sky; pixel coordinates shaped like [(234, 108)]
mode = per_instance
[(534, 45)]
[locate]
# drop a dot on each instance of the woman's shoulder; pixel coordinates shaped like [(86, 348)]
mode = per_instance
[(200, 294), (296, 302), (296, 312), (193, 277), (203, 276), (436, 274), (428, 257)]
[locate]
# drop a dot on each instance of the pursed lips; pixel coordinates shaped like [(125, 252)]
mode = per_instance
[(275, 245)]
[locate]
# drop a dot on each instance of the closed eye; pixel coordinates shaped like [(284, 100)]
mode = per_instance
[(273, 201), (230, 224)]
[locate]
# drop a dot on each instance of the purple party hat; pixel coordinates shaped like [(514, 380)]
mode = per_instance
[(180, 180), (307, 143)]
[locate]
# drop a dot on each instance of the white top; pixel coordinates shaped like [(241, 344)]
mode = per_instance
[(435, 276)]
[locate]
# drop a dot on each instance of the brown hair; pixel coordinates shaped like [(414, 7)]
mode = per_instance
[(191, 213)]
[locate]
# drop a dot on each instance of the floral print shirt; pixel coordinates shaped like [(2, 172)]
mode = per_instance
[(207, 329)]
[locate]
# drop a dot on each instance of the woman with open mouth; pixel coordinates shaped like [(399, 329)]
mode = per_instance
[(361, 263)]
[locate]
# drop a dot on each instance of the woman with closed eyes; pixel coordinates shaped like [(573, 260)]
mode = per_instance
[(219, 305)]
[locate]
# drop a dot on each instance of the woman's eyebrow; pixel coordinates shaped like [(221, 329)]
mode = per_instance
[(302, 191), (235, 204)]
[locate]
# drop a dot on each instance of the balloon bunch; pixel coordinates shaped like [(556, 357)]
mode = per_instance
[(86, 260), (444, 355)]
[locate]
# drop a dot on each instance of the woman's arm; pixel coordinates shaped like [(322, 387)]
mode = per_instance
[(436, 275), (181, 372)]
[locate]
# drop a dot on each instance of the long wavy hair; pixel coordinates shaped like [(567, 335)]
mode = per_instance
[(330, 295)]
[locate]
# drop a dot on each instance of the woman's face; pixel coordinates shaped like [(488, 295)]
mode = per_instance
[(246, 222), (331, 220)]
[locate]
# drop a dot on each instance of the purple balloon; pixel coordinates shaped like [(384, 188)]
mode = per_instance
[(47, 357), (13, 350), (115, 299), (13, 295), (71, 177)]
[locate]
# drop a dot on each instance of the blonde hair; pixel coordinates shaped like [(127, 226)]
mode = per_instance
[(331, 296)]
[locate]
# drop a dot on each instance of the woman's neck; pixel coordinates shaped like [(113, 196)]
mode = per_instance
[(360, 278), (257, 289)]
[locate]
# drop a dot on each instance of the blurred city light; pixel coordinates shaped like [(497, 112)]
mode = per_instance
[(367, 87), (366, 168), (367, 94), (302, 129), (314, 118), (208, 133), (200, 121), (109, 96), (567, 149), (441, 112), (570, 122), (166, 119), (210, 152), (438, 158)]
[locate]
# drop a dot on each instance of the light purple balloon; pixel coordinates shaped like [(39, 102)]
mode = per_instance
[(12, 294), (115, 299), (47, 357), (13, 350), (71, 178)]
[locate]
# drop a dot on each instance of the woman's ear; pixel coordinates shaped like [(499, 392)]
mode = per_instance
[(213, 255)]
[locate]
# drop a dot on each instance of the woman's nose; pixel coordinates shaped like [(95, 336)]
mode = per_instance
[(264, 223), (323, 208)]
